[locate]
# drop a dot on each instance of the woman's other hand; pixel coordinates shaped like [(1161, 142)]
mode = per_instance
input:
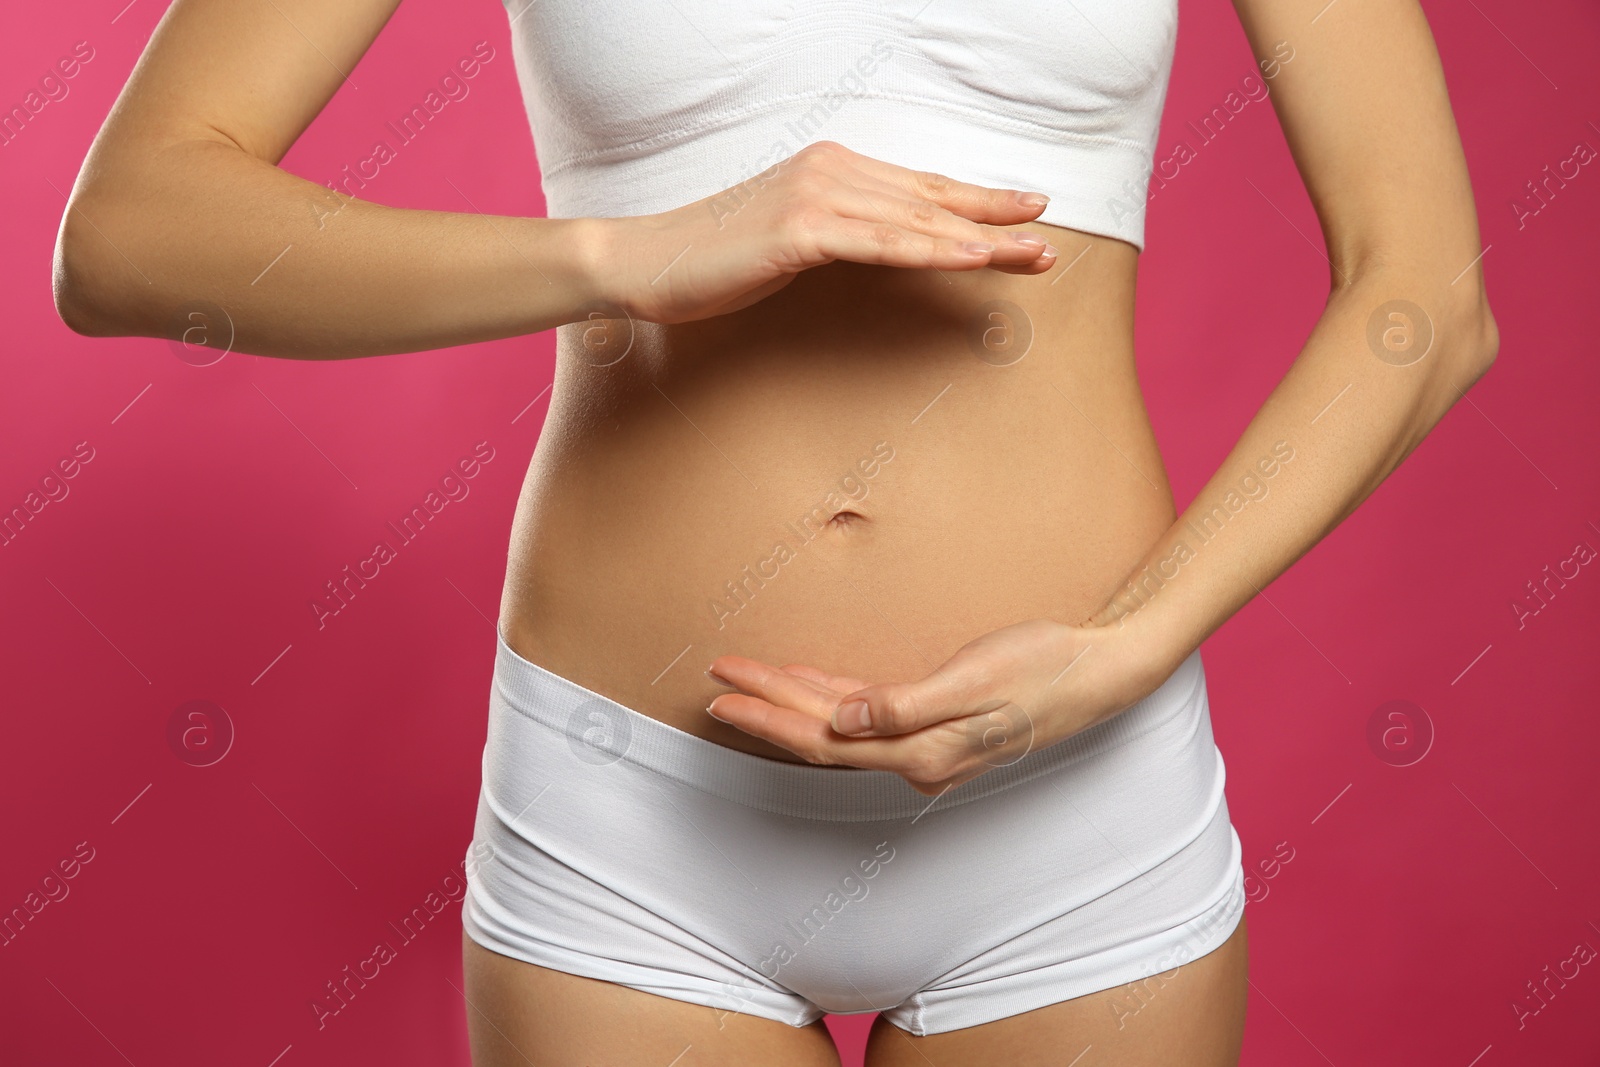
[(1019, 688), (824, 203)]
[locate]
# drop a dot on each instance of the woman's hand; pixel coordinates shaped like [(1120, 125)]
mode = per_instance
[(1000, 696), (823, 203)]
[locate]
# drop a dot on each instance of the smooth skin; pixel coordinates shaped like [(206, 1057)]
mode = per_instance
[(181, 200)]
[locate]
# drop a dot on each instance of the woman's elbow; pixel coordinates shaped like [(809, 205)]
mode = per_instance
[(73, 305), (1481, 344), (79, 277), (1466, 332)]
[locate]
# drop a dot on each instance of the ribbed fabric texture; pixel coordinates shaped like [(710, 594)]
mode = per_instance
[(641, 108), (606, 731)]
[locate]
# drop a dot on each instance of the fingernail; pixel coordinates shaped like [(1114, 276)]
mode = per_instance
[(1031, 200), (1049, 252), (852, 718), (977, 247), (713, 714), (719, 679), (1030, 240)]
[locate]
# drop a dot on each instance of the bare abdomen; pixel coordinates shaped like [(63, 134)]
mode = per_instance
[(861, 473)]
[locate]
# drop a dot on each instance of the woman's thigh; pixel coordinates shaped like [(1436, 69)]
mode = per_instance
[(520, 1014), (1193, 1018)]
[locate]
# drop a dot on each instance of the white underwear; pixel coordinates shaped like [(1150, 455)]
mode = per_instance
[(611, 845)]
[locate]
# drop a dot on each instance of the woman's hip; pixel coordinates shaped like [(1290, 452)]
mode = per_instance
[(613, 836)]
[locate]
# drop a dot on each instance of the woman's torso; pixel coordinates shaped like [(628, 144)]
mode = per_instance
[(983, 432)]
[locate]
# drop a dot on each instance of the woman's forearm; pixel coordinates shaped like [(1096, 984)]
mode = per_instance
[(300, 270), (1351, 408)]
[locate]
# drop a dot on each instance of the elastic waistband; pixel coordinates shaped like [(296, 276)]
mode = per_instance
[(598, 730)]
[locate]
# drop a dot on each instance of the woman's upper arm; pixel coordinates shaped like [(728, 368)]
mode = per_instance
[(1363, 105), (253, 73)]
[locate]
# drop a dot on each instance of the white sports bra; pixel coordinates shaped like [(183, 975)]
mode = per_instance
[(641, 106)]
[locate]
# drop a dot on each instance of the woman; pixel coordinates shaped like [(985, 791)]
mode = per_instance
[(848, 649)]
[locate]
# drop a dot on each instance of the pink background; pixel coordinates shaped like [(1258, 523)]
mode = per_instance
[(1418, 903)]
